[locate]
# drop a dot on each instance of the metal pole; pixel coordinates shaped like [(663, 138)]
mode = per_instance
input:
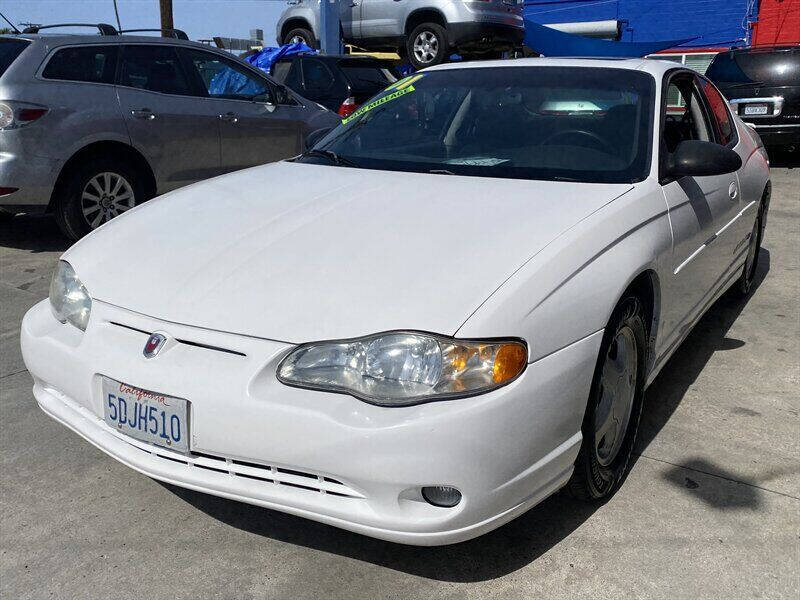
[(166, 16), (330, 42), (116, 12)]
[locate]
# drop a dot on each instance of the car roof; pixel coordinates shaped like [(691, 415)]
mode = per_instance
[(653, 66), (71, 39)]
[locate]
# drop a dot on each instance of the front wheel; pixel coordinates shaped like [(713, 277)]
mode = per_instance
[(615, 405), (427, 45), (300, 35)]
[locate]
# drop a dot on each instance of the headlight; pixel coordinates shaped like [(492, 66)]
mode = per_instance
[(404, 367), (69, 300)]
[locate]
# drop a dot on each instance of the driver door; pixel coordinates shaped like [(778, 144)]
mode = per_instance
[(254, 128), (699, 210)]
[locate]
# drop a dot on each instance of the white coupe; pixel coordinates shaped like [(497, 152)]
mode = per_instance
[(446, 311)]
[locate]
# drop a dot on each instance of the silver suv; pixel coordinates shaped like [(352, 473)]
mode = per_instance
[(91, 125), (427, 31)]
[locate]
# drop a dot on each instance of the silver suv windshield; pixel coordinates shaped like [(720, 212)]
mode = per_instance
[(549, 123)]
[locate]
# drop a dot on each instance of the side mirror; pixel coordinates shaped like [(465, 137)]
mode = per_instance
[(694, 158)]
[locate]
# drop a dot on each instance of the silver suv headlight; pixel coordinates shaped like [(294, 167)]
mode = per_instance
[(400, 368), (69, 300)]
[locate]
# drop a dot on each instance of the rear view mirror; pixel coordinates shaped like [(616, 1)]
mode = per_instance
[(694, 158)]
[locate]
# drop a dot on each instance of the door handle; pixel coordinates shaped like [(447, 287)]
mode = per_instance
[(143, 113), (229, 117)]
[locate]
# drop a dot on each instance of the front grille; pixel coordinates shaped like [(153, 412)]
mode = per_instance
[(181, 341), (228, 467)]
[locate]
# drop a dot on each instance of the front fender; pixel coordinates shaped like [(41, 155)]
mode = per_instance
[(569, 290)]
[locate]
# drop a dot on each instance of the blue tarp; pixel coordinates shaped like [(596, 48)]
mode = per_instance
[(269, 56), (232, 83), (551, 42)]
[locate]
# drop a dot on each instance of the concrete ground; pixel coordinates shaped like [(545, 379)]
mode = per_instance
[(711, 508)]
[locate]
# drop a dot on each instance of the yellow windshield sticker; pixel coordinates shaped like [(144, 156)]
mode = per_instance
[(406, 81), (379, 102)]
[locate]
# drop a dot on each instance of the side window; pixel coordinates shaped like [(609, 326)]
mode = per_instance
[(153, 68), (721, 118), (223, 78), (287, 72), (317, 77), (94, 64), (685, 120)]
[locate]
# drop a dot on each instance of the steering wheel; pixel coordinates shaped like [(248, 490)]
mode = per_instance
[(595, 139)]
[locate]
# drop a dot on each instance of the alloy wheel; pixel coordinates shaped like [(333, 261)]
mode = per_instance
[(105, 196), (426, 47), (617, 393)]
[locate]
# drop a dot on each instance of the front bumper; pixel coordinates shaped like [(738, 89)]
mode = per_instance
[(326, 457)]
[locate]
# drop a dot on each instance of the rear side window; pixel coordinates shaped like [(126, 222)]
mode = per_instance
[(316, 76), (721, 118), (153, 68), (9, 51), (366, 77), (281, 70), (93, 64)]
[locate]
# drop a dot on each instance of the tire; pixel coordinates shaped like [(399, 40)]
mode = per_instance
[(116, 186), (300, 34), (427, 45), (744, 285), (602, 463)]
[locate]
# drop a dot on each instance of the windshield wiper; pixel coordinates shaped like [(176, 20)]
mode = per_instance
[(441, 172), (331, 156)]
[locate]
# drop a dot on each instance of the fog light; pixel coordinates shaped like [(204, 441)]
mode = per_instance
[(441, 495)]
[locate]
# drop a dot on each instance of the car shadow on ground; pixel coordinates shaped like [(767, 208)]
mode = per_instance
[(526, 538), (36, 233)]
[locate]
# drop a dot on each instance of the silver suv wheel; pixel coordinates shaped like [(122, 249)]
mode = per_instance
[(105, 196), (426, 47)]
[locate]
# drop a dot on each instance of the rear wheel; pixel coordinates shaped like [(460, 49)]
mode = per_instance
[(300, 35), (427, 45), (95, 193), (615, 405)]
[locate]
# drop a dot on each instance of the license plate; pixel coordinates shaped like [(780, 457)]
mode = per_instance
[(147, 416), (755, 109)]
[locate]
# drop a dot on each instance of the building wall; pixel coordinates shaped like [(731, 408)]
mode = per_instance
[(715, 23), (778, 22)]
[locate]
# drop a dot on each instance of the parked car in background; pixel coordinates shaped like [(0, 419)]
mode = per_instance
[(426, 31), (340, 83), (445, 311), (762, 85), (92, 125)]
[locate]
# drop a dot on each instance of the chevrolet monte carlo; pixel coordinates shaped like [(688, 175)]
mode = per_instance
[(444, 312)]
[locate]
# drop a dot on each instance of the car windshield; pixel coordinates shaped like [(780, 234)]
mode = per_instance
[(548, 123)]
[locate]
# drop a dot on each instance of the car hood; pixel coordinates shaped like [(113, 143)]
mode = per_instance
[(299, 252)]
